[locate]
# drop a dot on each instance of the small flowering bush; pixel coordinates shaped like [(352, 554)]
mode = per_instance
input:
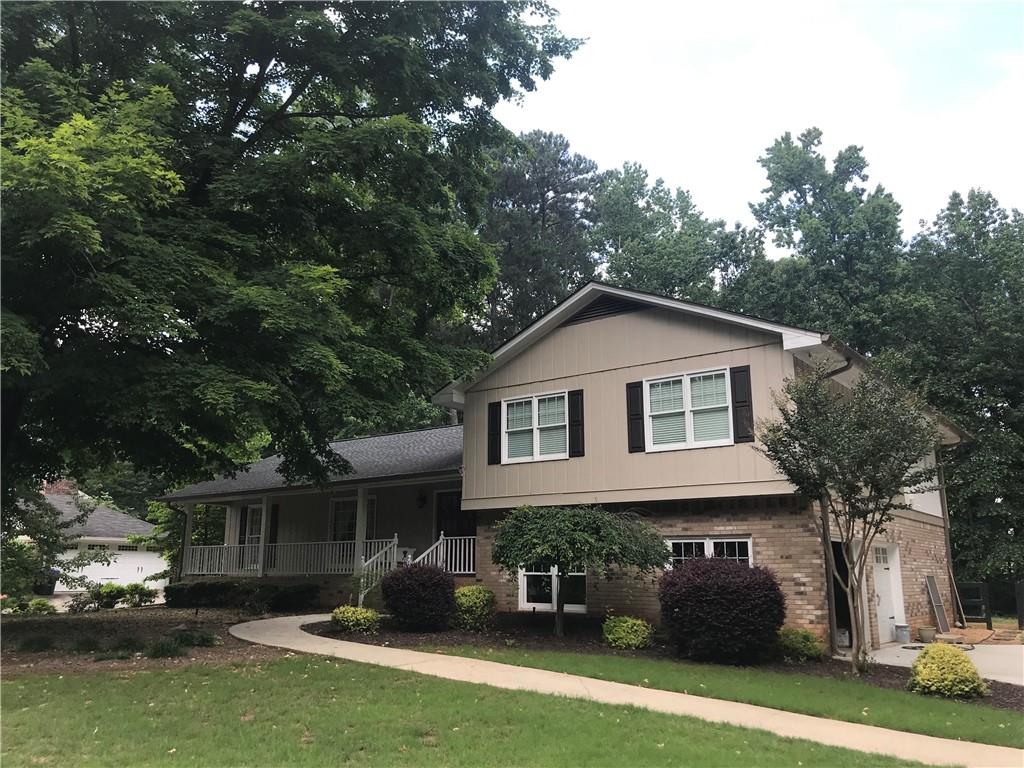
[(945, 670), (351, 618), (474, 608), (627, 632)]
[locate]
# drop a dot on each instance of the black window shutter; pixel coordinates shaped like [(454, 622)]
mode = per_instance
[(494, 433), (576, 423), (243, 519), (742, 404), (635, 416)]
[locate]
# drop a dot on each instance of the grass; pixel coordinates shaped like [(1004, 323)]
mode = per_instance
[(849, 700), (308, 711)]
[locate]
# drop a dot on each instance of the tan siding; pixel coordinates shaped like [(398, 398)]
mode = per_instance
[(601, 357)]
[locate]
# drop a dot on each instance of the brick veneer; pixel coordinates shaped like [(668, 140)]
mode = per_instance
[(784, 538)]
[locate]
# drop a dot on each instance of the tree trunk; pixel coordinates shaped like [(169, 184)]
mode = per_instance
[(559, 605), (856, 625)]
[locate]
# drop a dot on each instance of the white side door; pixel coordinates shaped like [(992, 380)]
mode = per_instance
[(885, 604)]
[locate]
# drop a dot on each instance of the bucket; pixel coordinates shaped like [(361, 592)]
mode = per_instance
[(927, 634), (902, 633)]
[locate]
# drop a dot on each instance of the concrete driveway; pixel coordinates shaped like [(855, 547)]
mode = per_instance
[(1004, 663)]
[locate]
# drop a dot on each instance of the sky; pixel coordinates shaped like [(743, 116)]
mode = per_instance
[(695, 91)]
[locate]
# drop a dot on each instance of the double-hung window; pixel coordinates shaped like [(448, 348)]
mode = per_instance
[(689, 410), (535, 428), (730, 549)]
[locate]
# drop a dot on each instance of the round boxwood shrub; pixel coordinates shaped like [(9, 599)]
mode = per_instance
[(351, 618), (720, 610), (627, 632), (798, 646), (474, 608), (945, 670), (419, 596)]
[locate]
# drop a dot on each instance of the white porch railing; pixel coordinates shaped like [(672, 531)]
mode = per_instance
[(230, 560), (375, 568), (456, 554), (314, 557)]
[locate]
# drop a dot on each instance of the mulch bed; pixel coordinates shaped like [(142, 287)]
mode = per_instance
[(144, 625), (583, 635)]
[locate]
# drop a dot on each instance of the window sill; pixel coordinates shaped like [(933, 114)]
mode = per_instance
[(678, 447), (531, 460)]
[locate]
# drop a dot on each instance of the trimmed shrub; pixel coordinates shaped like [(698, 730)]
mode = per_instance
[(136, 595), (351, 618), (627, 632), (108, 595), (720, 610), (474, 608), (419, 596), (251, 596), (36, 643), (798, 646), (83, 602), (39, 606), (945, 670), (165, 648)]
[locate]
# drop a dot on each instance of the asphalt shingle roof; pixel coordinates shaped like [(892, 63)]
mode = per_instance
[(420, 452), (102, 523)]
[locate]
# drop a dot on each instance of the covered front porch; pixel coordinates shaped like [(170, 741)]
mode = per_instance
[(361, 531)]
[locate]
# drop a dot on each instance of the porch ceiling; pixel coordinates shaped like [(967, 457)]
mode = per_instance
[(423, 453)]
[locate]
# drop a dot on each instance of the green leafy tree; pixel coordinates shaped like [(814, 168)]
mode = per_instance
[(580, 538), (958, 331), (845, 240), (228, 222), (539, 218), (855, 452), (656, 239)]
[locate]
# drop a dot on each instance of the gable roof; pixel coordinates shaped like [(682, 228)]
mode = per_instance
[(102, 523), (422, 452), (597, 299)]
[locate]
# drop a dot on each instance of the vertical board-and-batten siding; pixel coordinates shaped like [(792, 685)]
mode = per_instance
[(600, 357)]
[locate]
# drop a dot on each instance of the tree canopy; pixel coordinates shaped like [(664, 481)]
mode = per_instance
[(856, 451), (580, 538)]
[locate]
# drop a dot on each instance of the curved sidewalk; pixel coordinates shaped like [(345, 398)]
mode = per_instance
[(286, 632)]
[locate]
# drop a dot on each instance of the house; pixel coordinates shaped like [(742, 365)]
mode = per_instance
[(110, 531), (615, 397)]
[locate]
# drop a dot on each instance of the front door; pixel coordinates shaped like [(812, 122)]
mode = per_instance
[(884, 602), (452, 519)]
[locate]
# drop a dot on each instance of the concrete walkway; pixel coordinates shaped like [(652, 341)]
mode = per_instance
[(1004, 663), (286, 632)]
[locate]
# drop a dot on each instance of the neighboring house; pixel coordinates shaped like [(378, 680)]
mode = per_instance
[(615, 397), (108, 530)]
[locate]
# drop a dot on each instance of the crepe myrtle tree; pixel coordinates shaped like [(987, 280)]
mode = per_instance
[(576, 538), (857, 452)]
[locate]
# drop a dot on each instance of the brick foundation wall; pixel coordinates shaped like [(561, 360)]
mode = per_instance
[(784, 539), (921, 540)]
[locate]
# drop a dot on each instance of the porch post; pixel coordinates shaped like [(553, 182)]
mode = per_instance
[(264, 522), (362, 503), (186, 539)]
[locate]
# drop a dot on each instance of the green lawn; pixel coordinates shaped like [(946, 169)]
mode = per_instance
[(310, 711), (849, 700)]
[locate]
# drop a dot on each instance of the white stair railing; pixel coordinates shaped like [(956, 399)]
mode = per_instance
[(374, 569), (455, 554)]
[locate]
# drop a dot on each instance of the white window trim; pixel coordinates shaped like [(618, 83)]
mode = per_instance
[(649, 445), (253, 518), (709, 548), (548, 607), (536, 429), (331, 513)]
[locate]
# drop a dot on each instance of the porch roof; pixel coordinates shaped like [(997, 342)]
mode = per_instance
[(422, 452)]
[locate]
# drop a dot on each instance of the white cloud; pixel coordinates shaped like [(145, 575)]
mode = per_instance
[(696, 91)]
